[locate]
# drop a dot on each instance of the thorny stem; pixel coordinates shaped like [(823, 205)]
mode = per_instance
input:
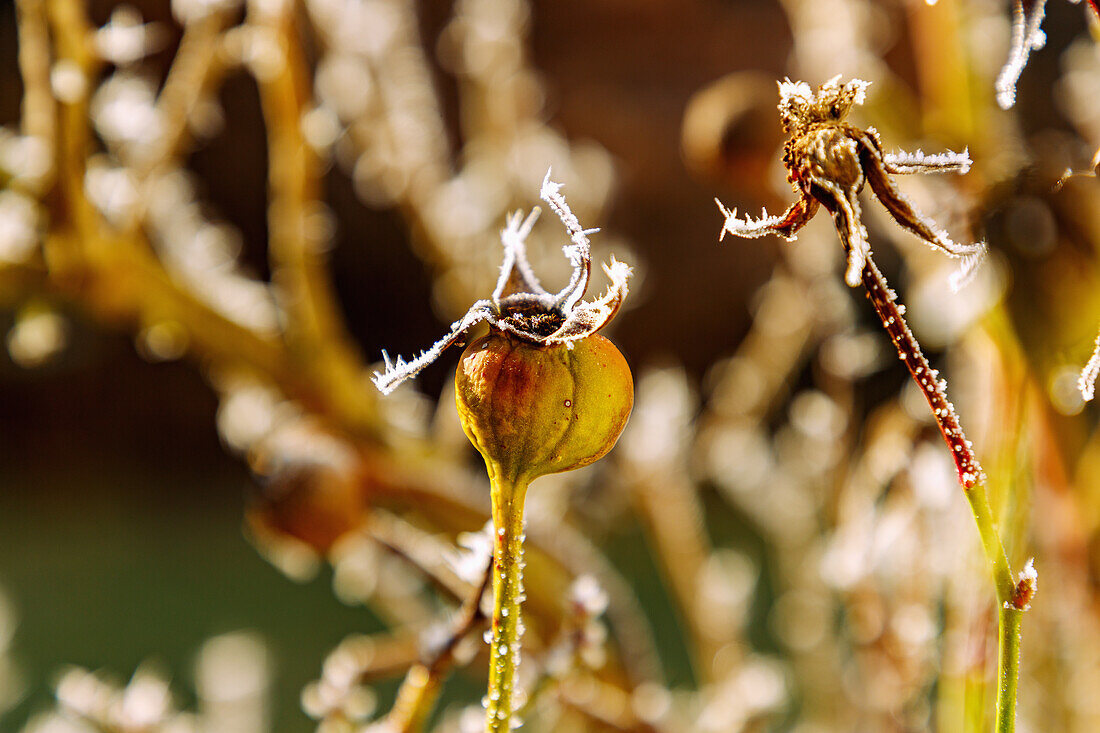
[(1010, 607), (504, 650)]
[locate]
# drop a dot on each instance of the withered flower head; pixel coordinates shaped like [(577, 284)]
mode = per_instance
[(800, 107), (520, 306), (828, 161)]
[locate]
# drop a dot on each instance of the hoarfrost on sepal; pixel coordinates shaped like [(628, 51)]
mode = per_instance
[(920, 162), (519, 305)]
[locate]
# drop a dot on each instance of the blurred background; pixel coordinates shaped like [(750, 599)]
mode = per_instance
[(215, 216)]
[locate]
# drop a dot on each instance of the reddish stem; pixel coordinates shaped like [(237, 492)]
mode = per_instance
[(927, 378)]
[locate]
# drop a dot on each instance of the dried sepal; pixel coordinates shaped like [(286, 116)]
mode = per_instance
[(877, 169), (520, 305), (579, 250), (398, 371), (849, 222), (588, 317), (828, 161), (516, 274), (903, 162), (785, 226)]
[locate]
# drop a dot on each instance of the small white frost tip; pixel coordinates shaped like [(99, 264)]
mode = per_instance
[(794, 89), (1086, 383), (968, 268)]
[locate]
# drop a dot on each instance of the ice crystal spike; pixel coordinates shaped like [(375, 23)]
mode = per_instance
[(829, 161), (519, 305)]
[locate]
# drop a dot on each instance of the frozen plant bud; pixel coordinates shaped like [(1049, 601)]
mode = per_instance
[(1026, 586)]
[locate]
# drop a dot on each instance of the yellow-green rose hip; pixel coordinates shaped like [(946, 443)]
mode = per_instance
[(531, 410), (541, 393)]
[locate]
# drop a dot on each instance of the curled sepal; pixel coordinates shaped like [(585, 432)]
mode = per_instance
[(748, 227), (519, 305), (588, 317), (579, 251), (516, 275), (398, 371), (921, 162)]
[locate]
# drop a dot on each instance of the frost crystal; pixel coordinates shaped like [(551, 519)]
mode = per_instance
[(1087, 381), (520, 305)]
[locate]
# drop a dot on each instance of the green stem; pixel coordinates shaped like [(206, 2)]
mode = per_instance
[(1008, 617), (972, 478), (1008, 667), (504, 651)]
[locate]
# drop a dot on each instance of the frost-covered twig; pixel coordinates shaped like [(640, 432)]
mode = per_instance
[(830, 161), (1027, 35)]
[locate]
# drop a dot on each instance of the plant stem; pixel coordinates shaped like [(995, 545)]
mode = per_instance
[(972, 477), (1008, 666), (420, 690), (504, 650)]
